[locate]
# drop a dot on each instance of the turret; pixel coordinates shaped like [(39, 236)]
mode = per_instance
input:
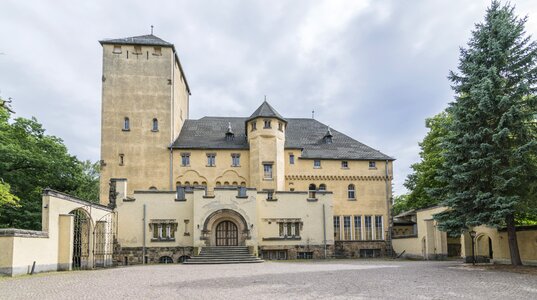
[(265, 130)]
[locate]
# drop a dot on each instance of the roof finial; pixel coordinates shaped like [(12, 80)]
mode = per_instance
[(151, 29), (313, 114), (265, 98)]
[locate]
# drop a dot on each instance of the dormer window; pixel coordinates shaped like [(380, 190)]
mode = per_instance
[(267, 124), (229, 133), (117, 49), (327, 139)]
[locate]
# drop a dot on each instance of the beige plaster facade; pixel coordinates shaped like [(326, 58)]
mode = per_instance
[(490, 243), (53, 248), (187, 175)]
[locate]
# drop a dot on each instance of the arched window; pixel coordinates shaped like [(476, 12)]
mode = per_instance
[(322, 187), (152, 188), (351, 192), (312, 189), (218, 183), (226, 183), (126, 124), (165, 260), (154, 126), (235, 183)]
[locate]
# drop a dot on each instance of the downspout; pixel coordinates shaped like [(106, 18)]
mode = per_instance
[(172, 135), (389, 211), (143, 244), (324, 231)]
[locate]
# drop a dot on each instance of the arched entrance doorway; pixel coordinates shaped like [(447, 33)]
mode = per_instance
[(81, 239), (227, 234), (225, 227)]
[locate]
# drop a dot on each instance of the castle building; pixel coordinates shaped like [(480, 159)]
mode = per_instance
[(285, 188)]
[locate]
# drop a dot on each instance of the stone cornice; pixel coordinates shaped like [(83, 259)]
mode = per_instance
[(338, 177)]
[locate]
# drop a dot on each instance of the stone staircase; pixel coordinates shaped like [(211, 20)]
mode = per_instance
[(223, 255)]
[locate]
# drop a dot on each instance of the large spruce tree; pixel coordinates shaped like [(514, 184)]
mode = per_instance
[(490, 150)]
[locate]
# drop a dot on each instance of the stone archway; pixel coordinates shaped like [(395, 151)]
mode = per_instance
[(225, 227)]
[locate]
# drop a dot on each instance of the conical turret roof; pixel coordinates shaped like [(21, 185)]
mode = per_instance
[(265, 110)]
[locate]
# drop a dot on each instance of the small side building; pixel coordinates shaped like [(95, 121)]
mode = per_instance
[(426, 241)]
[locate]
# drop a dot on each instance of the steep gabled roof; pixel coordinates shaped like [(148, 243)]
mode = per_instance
[(267, 111), (304, 134), (147, 40)]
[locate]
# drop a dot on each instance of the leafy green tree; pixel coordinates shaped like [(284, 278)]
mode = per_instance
[(424, 178), (88, 188), (6, 198), (400, 204), (30, 161), (490, 149)]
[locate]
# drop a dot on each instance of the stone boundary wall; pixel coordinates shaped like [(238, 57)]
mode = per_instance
[(292, 250), (15, 232), (351, 249), (134, 255)]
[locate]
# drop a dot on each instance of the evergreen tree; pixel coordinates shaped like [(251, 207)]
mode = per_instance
[(491, 147)]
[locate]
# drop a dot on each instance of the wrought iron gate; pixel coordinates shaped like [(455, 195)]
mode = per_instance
[(81, 239), (104, 240)]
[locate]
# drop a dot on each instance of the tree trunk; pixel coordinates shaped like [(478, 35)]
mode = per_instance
[(513, 243)]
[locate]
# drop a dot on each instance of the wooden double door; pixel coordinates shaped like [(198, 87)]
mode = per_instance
[(227, 234)]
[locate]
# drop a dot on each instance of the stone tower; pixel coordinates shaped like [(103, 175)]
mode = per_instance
[(265, 129), (144, 104)]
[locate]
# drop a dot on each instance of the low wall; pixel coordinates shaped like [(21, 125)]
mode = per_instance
[(134, 255), (16, 245), (360, 249)]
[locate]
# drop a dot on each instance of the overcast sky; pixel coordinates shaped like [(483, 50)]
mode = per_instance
[(371, 69)]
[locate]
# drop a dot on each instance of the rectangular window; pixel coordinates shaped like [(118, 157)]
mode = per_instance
[(270, 195), (117, 49), (347, 228), (317, 163), (137, 49), (267, 171), (358, 228), (157, 51), (180, 195), (372, 165), (304, 255), (379, 232), (337, 233), (297, 229), (185, 159), (235, 160), (155, 231), (122, 159), (254, 126), (345, 164), (242, 191), (291, 159), (267, 124), (159, 230), (282, 229), (368, 228), (280, 126), (211, 160)]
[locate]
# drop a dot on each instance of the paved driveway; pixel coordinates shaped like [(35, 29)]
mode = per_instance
[(337, 279)]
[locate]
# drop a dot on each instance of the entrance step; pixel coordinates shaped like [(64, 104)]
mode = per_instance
[(223, 255)]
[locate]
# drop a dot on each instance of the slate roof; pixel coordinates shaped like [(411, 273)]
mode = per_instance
[(149, 39), (265, 110), (305, 134)]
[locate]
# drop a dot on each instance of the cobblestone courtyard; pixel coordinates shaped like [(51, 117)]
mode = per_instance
[(279, 280)]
